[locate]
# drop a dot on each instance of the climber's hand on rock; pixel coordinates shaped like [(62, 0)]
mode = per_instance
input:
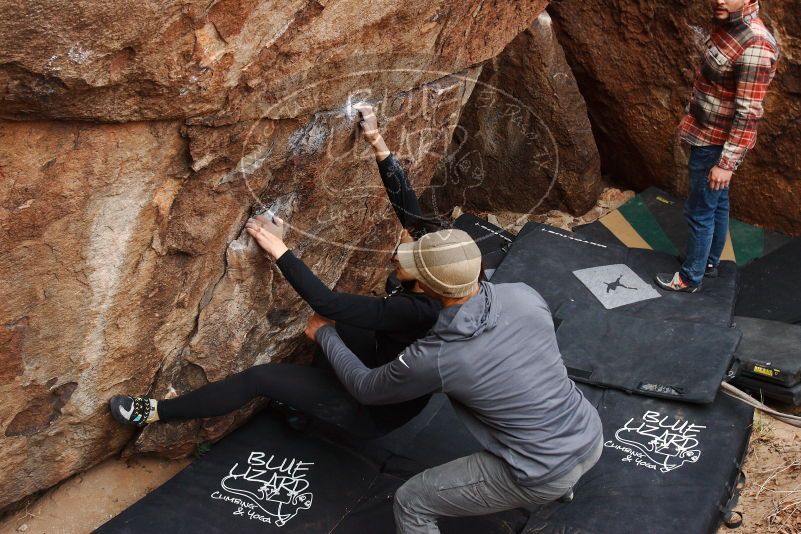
[(268, 233), (719, 178), (369, 125), (368, 122), (272, 223), (315, 322)]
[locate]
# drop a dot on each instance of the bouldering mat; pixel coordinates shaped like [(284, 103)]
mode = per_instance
[(492, 240), (691, 468), (770, 287), (667, 467), (655, 220), (266, 477), (770, 351), (547, 258), (681, 360), (766, 390)]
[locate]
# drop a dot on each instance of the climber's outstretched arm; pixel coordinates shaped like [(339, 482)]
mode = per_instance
[(399, 190), (371, 313)]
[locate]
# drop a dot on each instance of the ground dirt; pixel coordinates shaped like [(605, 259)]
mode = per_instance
[(84, 502), (771, 499)]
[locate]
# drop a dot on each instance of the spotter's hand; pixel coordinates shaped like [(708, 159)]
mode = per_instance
[(314, 323), (268, 233), (719, 178), (368, 122)]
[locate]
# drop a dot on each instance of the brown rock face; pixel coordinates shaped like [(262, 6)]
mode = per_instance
[(635, 65), (125, 60), (123, 261), (524, 143), (125, 270)]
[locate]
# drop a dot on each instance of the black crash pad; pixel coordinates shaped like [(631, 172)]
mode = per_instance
[(761, 389), (341, 486), (681, 360), (312, 496), (770, 288), (545, 258), (770, 351), (667, 467), (679, 486), (492, 240)]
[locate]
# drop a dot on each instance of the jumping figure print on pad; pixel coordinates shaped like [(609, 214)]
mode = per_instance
[(267, 489), (612, 286), (658, 442), (616, 285)]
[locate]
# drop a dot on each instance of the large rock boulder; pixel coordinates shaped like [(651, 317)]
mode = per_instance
[(124, 263), (524, 143), (635, 65), (127, 60), (248, 314)]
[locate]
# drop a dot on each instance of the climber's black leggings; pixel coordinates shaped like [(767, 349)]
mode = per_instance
[(314, 391)]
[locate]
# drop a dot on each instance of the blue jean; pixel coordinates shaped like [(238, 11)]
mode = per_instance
[(707, 214)]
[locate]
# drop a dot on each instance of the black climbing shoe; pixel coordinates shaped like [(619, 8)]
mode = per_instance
[(132, 410), (674, 282)]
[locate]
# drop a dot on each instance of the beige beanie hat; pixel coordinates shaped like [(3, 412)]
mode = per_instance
[(448, 261)]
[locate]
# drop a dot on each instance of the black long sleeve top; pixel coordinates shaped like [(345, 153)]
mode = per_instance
[(402, 196), (397, 320)]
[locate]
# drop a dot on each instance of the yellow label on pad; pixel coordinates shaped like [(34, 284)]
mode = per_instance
[(758, 369)]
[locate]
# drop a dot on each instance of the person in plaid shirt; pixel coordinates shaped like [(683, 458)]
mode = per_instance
[(721, 126)]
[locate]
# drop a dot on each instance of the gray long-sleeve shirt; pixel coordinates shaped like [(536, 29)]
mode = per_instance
[(496, 358)]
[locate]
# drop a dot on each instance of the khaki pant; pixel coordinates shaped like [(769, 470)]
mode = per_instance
[(478, 484)]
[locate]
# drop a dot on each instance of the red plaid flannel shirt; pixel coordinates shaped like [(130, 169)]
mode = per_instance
[(726, 103)]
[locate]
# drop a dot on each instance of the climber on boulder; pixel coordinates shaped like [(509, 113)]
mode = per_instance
[(721, 126), (493, 351), (374, 328)]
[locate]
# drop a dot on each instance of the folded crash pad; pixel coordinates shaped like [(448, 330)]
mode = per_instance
[(761, 389), (681, 360), (561, 266), (770, 287), (770, 351), (655, 220), (666, 467)]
